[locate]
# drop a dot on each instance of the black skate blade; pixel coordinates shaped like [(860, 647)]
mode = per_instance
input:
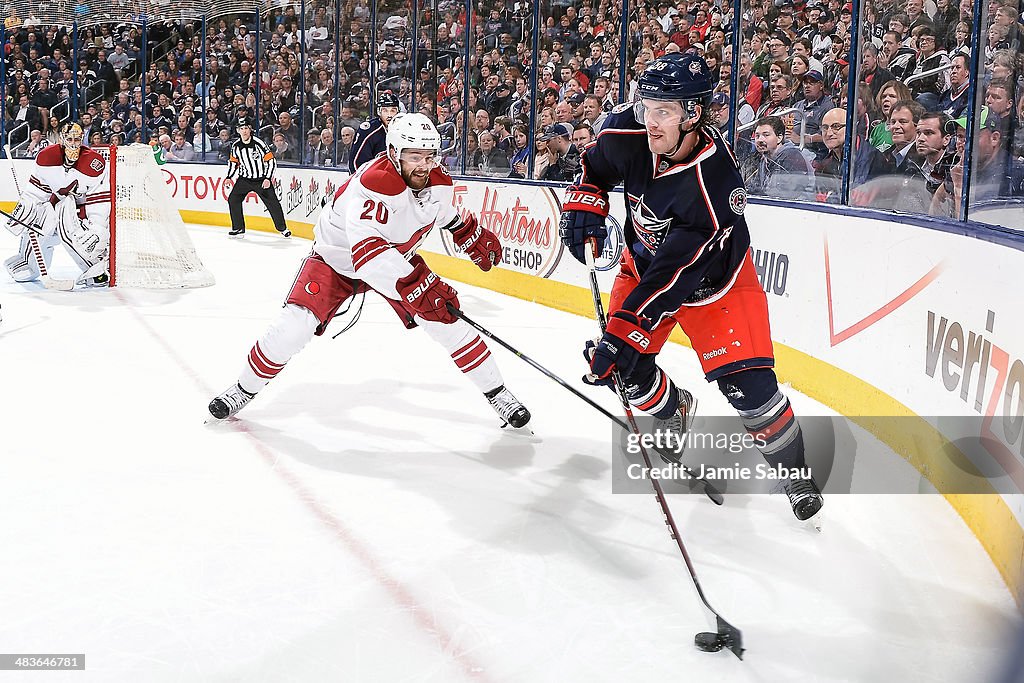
[(517, 431)]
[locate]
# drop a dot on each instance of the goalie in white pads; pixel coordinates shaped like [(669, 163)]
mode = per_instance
[(67, 200), (366, 239)]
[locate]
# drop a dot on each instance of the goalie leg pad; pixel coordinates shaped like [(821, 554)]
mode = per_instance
[(468, 351), (87, 243), (292, 330), (23, 266)]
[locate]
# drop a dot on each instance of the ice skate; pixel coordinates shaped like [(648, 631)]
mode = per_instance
[(236, 232), (678, 424), (804, 496), (508, 407), (285, 233), (233, 399)]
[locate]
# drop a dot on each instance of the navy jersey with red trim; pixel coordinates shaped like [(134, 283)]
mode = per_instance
[(370, 140), (684, 228)]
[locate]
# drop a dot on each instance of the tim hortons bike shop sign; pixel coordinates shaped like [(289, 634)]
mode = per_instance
[(524, 218)]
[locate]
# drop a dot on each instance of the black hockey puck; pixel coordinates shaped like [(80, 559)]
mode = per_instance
[(709, 642)]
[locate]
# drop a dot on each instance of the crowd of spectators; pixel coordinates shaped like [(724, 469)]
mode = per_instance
[(913, 81)]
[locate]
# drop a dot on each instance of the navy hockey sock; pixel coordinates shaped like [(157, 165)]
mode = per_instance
[(767, 415)]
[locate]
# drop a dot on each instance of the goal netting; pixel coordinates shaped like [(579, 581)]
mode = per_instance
[(149, 246)]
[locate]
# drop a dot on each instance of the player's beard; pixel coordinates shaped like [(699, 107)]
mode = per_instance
[(416, 180)]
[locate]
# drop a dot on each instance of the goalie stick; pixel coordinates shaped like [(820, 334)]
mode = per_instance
[(725, 634), (44, 276)]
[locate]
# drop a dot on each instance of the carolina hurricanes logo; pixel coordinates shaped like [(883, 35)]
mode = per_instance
[(312, 288), (650, 229)]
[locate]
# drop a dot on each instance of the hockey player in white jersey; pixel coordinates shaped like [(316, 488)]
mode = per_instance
[(366, 239), (67, 200)]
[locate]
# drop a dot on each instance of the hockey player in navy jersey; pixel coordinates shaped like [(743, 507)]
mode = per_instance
[(687, 262), (371, 136)]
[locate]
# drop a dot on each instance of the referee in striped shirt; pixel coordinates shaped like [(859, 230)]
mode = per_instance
[(251, 164)]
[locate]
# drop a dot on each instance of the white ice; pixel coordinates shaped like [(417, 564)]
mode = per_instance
[(365, 519)]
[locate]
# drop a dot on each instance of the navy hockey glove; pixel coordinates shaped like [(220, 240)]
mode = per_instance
[(626, 337), (479, 244), (427, 295), (584, 212)]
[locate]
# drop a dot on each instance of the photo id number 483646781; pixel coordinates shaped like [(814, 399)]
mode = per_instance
[(41, 662)]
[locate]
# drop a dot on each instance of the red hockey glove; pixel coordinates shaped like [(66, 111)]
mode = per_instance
[(63, 192), (626, 337), (583, 217), (479, 244), (427, 295)]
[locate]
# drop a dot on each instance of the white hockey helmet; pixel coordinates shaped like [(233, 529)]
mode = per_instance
[(411, 131)]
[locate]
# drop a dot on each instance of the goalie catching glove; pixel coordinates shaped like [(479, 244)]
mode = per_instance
[(426, 294), (584, 212), (478, 243), (625, 339)]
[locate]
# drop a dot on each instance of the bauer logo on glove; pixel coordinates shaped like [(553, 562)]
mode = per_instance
[(478, 243)]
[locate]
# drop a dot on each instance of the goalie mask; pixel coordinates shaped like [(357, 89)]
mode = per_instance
[(71, 136)]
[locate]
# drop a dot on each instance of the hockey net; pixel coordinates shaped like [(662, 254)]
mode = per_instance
[(149, 245)]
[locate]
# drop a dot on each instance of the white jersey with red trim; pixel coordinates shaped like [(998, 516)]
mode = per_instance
[(51, 174), (376, 222)]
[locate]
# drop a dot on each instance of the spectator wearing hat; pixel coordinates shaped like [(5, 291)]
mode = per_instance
[(563, 156), (575, 100), (719, 108), (811, 109), (251, 165), (785, 21), (285, 98), (993, 173)]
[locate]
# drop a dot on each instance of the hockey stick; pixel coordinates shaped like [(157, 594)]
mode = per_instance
[(33, 240), (708, 489), (725, 635)]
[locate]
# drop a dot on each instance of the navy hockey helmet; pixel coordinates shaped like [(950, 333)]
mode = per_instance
[(387, 99), (677, 77)]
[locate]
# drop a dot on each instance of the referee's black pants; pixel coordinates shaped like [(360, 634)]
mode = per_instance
[(243, 186)]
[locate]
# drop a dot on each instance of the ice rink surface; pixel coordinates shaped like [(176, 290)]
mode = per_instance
[(365, 519)]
